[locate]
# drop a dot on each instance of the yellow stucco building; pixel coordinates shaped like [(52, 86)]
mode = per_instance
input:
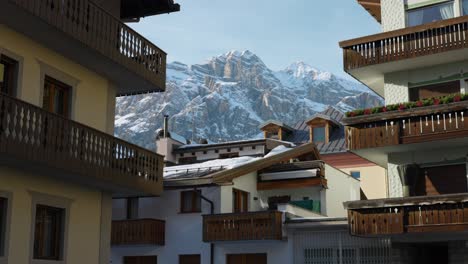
[(62, 64)]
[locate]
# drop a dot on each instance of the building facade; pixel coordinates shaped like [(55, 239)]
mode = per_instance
[(62, 63), (233, 210), (418, 64)]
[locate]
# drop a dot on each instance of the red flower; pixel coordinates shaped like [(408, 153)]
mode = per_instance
[(384, 109), (457, 98), (436, 101), (402, 107), (367, 112), (419, 104)]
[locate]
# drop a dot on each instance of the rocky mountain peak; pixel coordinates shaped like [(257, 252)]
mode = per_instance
[(227, 97)]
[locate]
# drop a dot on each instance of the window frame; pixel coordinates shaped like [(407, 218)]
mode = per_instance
[(240, 201), (195, 195), (455, 7), (57, 244), (12, 62), (324, 134), (58, 85), (53, 201), (5, 233)]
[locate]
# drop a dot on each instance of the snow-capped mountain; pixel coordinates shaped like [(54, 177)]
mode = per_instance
[(229, 96)]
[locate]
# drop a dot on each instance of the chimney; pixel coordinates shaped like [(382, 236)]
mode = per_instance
[(166, 126)]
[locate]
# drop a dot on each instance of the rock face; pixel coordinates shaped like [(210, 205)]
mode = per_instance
[(230, 95)]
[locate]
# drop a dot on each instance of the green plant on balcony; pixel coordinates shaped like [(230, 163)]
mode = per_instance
[(453, 98)]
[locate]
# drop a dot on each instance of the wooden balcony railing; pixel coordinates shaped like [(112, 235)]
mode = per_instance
[(266, 225), (30, 134), (93, 26), (138, 232), (445, 213), (411, 42), (417, 125)]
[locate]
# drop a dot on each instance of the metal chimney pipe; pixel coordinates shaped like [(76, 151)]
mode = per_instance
[(166, 126)]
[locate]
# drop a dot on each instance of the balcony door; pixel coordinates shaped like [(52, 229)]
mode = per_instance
[(434, 90), (56, 97), (246, 259), (240, 201), (140, 260)]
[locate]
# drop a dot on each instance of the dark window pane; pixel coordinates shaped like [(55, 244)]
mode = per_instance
[(8, 75), (48, 234), (190, 201), (318, 134), (356, 174), (189, 259), (3, 212)]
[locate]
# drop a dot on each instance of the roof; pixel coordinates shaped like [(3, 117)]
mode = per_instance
[(225, 170), (269, 143), (135, 9), (337, 142), (373, 7), (276, 123)]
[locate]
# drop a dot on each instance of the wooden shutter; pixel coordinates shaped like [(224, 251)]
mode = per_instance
[(141, 260), (246, 259), (435, 90), (442, 180), (56, 96), (189, 259), (240, 201)]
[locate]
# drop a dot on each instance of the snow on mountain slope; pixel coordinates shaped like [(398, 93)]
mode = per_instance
[(230, 95)]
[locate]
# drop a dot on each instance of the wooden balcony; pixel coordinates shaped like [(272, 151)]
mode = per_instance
[(138, 232), (411, 42), (98, 30), (396, 216), (266, 225), (417, 125), (51, 144)]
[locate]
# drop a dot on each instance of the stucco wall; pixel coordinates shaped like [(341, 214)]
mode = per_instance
[(183, 231), (84, 224), (373, 180), (418, 157), (93, 97), (246, 183), (393, 14), (341, 188)]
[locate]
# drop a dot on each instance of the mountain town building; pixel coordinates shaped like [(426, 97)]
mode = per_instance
[(419, 65), (62, 64)]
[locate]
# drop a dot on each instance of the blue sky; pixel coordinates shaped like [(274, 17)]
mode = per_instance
[(279, 31)]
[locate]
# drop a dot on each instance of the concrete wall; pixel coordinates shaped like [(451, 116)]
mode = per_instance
[(373, 181), (341, 188), (82, 227), (93, 97), (419, 157)]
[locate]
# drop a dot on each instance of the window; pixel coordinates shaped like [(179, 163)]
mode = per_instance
[(434, 90), (48, 232), (431, 13), (8, 75), (240, 201), (465, 7), (189, 259), (190, 202), (274, 201), (140, 260), (246, 259), (3, 215), (132, 208), (356, 174), (318, 134), (187, 160), (254, 147), (241, 148), (56, 98)]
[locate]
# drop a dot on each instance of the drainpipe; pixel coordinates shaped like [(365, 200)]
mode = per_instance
[(212, 246)]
